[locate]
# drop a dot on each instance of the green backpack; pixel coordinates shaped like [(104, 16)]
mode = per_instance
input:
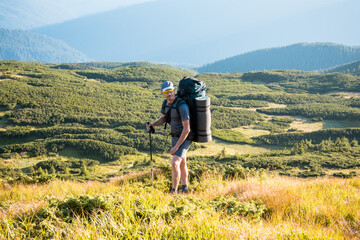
[(193, 92)]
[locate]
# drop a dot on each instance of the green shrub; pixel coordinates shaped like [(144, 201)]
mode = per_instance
[(345, 175), (232, 206), (82, 205)]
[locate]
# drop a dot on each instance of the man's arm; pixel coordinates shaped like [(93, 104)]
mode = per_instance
[(185, 132), (158, 122)]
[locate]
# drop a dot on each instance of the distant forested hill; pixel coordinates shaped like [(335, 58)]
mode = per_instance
[(26, 46), (111, 65), (350, 68), (302, 56)]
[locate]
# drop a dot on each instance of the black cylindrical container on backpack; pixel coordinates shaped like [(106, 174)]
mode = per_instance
[(203, 119)]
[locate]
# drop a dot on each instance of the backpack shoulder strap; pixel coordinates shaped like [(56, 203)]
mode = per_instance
[(168, 113), (178, 104), (163, 104)]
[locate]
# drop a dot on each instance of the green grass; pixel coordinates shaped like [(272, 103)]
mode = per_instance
[(217, 145), (71, 152), (3, 120), (8, 141), (354, 123), (231, 136), (24, 163)]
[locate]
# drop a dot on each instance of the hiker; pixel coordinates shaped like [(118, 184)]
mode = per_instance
[(180, 129)]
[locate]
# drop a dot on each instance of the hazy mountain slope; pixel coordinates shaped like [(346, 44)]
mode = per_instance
[(351, 68), (27, 14), (302, 56), (199, 32), (27, 46), (111, 65)]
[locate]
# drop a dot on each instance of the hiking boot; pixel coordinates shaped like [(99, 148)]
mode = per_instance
[(184, 189), (173, 191)]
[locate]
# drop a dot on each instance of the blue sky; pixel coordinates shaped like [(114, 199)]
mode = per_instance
[(27, 14), (255, 10), (182, 30)]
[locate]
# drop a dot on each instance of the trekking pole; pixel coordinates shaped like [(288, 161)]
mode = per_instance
[(152, 130)]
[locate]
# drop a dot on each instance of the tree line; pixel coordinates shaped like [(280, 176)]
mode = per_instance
[(290, 139)]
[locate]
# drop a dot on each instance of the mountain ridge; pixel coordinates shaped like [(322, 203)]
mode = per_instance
[(350, 68), (299, 56), (27, 46)]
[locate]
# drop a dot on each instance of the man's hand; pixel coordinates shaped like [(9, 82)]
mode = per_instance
[(150, 127), (173, 150)]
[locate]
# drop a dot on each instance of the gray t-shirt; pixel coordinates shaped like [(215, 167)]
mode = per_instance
[(176, 119)]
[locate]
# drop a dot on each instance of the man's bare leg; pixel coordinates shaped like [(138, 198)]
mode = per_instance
[(184, 172), (176, 173)]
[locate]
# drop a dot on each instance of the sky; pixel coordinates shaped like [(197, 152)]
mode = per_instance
[(57, 11), (27, 14), (173, 30)]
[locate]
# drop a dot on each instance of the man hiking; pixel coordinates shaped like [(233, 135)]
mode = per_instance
[(180, 128)]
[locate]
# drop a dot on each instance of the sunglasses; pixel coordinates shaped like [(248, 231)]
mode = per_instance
[(168, 91)]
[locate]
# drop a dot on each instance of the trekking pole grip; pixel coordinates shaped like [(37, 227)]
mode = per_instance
[(152, 130)]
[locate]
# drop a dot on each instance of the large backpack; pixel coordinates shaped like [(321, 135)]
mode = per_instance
[(193, 92)]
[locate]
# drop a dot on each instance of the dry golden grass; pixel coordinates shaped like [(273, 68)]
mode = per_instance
[(249, 132), (345, 95), (320, 204), (271, 105), (91, 80), (18, 76), (276, 105), (323, 208), (305, 124)]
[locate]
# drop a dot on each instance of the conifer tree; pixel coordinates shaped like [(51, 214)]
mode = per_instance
[(83, 170), (41, 172), (52, 169)]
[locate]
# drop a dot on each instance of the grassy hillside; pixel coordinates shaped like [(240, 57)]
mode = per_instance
[(302, 56), (99, 114), (26, 46), (74, 159), (36, 99), (111, 65), (350, 68)]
